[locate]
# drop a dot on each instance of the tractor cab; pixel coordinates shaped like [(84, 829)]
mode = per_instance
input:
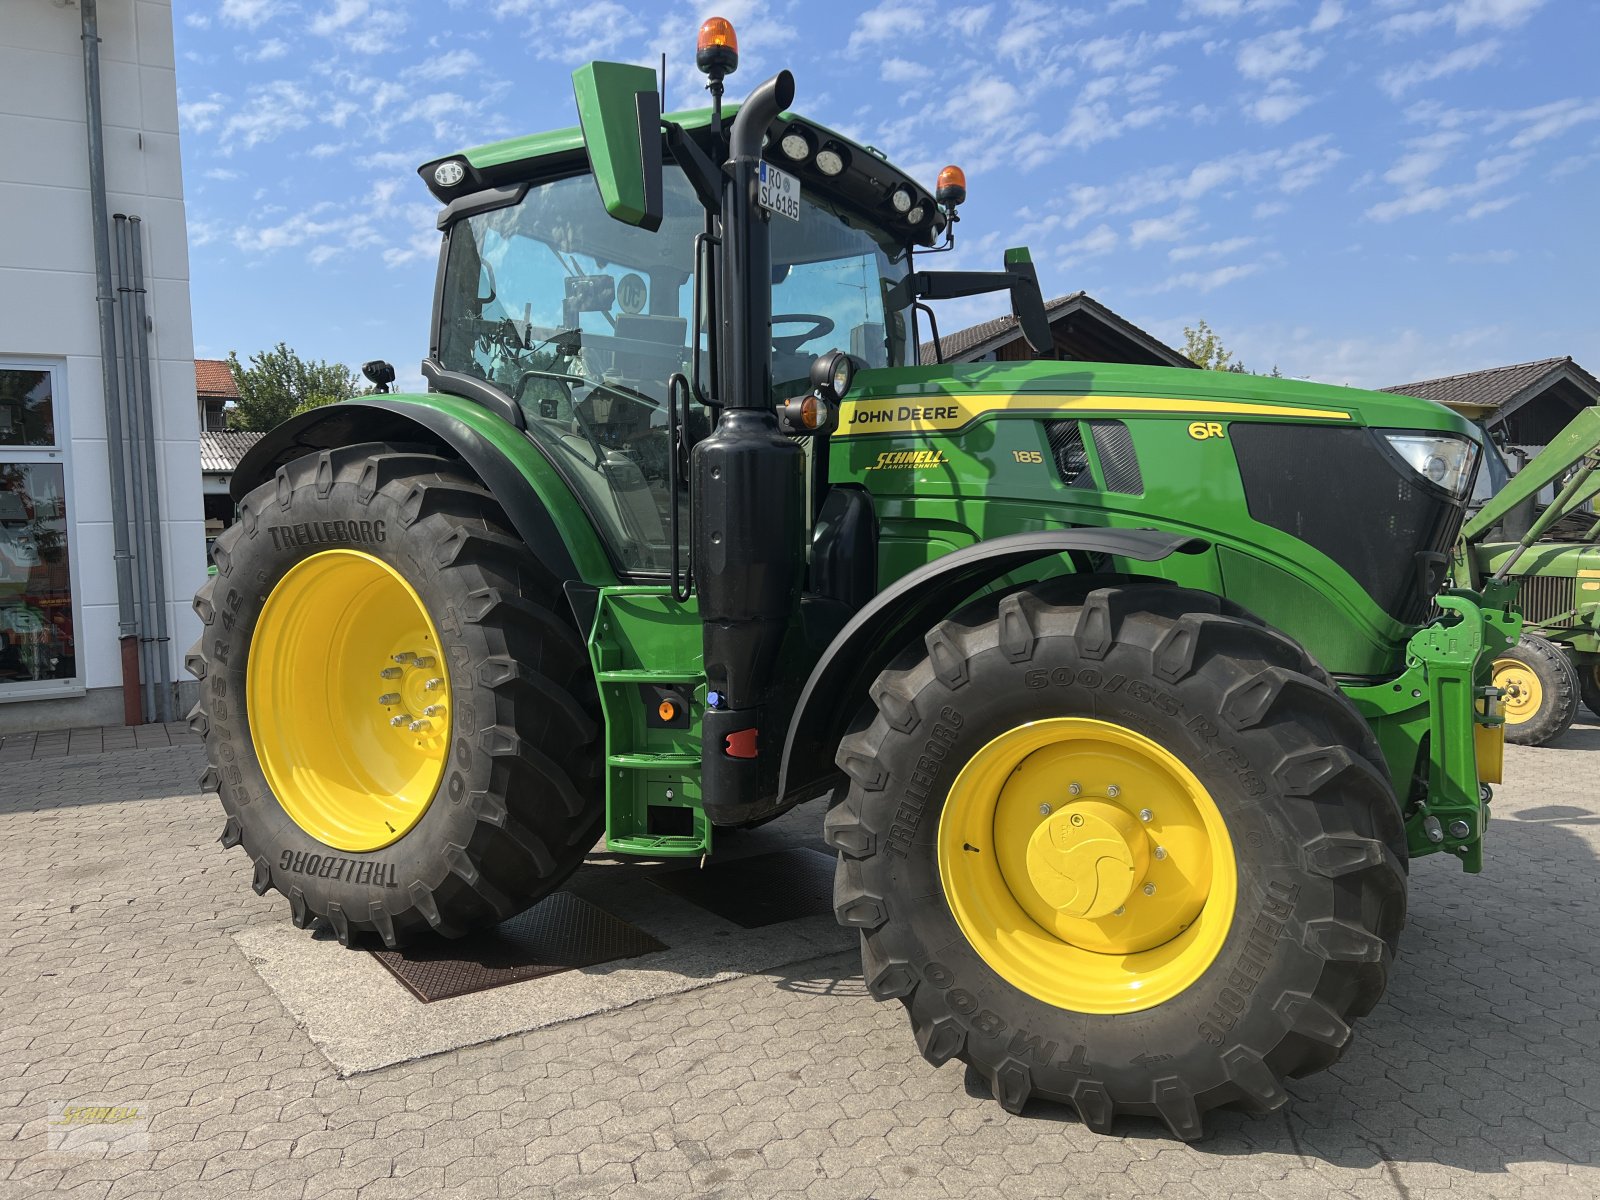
[(582, 320)]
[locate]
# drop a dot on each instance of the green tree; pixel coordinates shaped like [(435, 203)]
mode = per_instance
[(1204, 349), (278, 383)]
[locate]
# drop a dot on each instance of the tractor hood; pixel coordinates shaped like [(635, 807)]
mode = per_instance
[(906, 399)]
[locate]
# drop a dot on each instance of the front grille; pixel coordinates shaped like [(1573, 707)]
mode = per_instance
[(1345, 493), (1544, 598)]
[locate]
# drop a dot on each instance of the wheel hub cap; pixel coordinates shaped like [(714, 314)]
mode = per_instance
[(1086, 859), (1523, 695), (1087, 865)]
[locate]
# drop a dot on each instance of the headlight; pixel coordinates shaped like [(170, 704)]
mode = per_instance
[(1442, 459)]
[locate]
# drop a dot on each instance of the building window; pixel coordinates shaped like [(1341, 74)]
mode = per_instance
[(37, 643)]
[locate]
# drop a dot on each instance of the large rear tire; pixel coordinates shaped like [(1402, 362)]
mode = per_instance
[(1130, 851), (1541, 689), (401, 726)]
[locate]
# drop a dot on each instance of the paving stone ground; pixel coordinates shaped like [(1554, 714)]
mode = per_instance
[(121, 984)]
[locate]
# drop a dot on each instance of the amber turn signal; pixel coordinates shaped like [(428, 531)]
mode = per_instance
[(666, 710), (951, 189)]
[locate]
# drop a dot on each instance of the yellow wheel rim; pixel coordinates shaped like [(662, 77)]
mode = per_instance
[(348, 700), (1087, 865), (1523, 691)]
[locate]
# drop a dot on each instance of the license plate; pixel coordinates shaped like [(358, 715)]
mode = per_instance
[(779, 193)]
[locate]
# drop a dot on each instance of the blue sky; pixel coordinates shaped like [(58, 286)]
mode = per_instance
[(1359, 191)]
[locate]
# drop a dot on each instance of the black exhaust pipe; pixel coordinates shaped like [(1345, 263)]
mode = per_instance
[(749, 486)]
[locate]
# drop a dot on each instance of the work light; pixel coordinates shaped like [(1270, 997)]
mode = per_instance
[(795, 145), (832, 374), (901, 199), (830, 159)]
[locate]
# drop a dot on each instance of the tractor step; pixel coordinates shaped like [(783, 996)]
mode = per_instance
[(653, 698)]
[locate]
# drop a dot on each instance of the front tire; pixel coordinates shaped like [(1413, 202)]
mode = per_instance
[(400, 725), (1541, 689), (1303, 894)]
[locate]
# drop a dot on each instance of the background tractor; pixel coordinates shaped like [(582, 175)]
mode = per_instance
[(1120, 683), (1536, 528)]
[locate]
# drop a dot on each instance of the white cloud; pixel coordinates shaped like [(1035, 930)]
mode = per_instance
[(273, 109), (1102, 239), (450, 65), (900, 70), (1485, 257), (199, 115), (196, 20), (1170, 228), (1268, 209), (888, 22), (1275, 54), (986, 103), (968, 22), (1229, 8), (248, 13), (1398, 80), (220, 174), (1420, 196), (1329, 13), (1484, 208), (265, 51), (1209, 250), (342, 15), (1465, 15), (1552, 120), (1280, 102), (1206, 281), (325, 149)]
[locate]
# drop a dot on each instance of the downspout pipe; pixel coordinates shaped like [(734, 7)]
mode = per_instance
[(156, 585), (133, 460), (127, 627)]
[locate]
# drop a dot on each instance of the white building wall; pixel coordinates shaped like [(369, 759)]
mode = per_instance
[(47, 298)]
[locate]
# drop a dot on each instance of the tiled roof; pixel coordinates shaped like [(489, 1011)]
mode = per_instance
[(220, 452), (1494, 387), (966, 344), (212, 378)]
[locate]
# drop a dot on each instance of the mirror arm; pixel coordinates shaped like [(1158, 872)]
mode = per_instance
[(703, 174)]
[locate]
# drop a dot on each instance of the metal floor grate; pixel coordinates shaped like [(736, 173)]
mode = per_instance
[(763, 889), (561, 933)]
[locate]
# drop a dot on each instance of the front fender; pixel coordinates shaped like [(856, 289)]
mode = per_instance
[(538, 502), (898, 615)]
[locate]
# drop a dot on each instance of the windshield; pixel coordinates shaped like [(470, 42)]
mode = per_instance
[(581, 320), (1493, 475)]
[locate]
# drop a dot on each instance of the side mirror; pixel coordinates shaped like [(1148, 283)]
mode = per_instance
[(620, 112)]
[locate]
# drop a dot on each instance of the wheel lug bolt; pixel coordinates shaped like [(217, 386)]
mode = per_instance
[(390, 673), (403, 657), (1113, 791), (1146, 815), (400, 719), (1074, 789), (1120, 912), (433, 685), (1161, 851), (389, 698), (422, 661), (1149, 889), (420, 726), (433, 710), (1044, 810)]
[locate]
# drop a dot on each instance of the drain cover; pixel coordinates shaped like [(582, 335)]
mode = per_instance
[(760, 890), (560, 933)]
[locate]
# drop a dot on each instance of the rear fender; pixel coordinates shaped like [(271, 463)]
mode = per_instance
[(538, 502), (902, 612)]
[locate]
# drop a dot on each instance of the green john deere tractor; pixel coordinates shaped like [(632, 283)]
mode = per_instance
[(1550, 553), (1120, 684)]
